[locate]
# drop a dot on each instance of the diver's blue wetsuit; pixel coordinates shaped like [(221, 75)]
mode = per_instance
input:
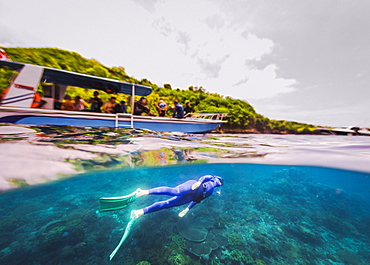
[(184, 194)]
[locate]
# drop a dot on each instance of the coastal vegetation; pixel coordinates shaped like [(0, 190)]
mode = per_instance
[(241, 117)]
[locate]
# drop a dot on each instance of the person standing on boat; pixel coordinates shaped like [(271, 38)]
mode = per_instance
[(109, 106), (188, 109), (161, 107), (140, 107), (120, 107), (178, 111), (67, 103), (96, 102), (79, 103)]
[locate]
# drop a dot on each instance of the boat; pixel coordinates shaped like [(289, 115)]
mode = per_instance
[(364, 131), (18, 102), (349, 130)]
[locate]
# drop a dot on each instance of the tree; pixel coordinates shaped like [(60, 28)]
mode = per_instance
[(167, 86)]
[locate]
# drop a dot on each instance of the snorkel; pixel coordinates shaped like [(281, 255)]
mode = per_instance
[(220, 182)]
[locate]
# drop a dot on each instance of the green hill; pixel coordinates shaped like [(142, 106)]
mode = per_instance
[(241, 115)]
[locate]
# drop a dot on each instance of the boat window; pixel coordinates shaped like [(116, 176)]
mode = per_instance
[(48, 91), (57, 92)]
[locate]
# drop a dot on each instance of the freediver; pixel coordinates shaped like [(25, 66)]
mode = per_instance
[(191, 191)]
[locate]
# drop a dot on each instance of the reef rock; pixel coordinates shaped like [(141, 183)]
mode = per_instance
[(202, 249), (221, 240), (191, 231)]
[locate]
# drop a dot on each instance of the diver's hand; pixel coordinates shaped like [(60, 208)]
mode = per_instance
[(196, 185), (182, 213)]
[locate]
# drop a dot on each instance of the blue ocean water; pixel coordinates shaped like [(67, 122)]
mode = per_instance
[(264, 214)]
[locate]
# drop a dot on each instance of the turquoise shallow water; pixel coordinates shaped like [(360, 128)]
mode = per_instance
[(264, 214)]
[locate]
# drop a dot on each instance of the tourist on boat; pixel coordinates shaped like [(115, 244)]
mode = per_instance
[(120, 107), (79, 103), (67, 104), (96, 102), (178, 110), (161, 107), (140, 107), (38, 102), (109, 106), (188, 109)]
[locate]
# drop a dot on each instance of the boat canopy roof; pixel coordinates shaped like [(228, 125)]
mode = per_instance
[(62, 77)]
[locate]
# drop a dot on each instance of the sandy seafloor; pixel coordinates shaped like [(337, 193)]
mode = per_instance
[(287, 199)]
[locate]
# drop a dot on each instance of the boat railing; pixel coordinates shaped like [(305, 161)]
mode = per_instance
[(116, 118), (207, 116)]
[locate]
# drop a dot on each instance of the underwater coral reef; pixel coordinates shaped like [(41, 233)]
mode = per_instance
[(264, 215)]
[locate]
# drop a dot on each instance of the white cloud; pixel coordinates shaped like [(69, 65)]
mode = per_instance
[(215, 54), (265, 84), (211, 69), (215, 21), (162, 26), (149, 5)]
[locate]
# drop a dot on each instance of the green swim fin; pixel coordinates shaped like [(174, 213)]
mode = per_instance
[(125, 235), (117, 203)]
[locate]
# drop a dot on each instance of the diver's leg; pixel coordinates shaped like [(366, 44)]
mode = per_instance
[(176, 191), (172, 202), (168, 190), (181, 195), (143, 193)]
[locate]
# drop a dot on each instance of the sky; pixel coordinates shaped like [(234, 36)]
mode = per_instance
[(305, 61)]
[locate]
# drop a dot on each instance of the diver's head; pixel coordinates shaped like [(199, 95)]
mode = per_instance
[(219, 180)]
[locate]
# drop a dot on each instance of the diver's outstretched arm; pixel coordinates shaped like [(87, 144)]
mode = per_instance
[(184, 212)]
